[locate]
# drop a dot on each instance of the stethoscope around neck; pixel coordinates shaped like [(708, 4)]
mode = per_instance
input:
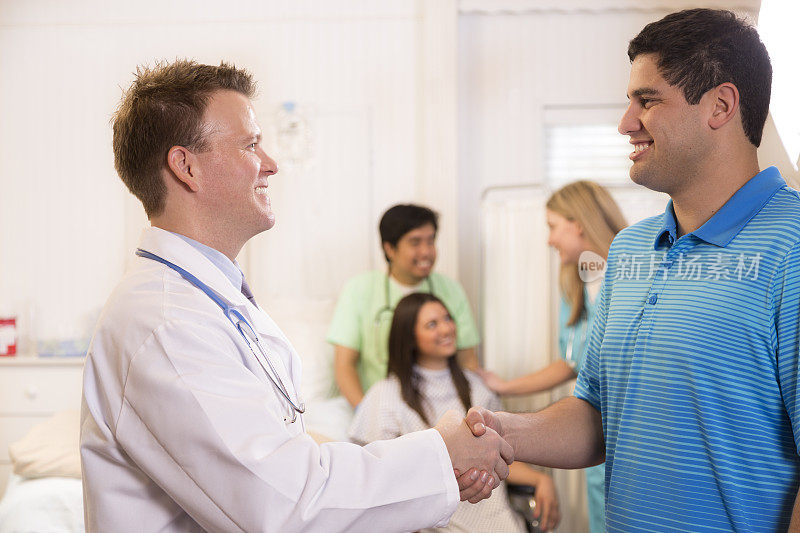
[(387, 307), (240, 323)]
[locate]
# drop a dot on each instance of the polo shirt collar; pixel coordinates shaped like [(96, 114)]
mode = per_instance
[(726, 223)]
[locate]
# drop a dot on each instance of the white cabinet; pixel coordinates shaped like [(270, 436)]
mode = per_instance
[(32, 389)]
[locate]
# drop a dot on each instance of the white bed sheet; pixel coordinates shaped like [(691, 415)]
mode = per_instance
[(43, 505), (330, 418), (55, 504)]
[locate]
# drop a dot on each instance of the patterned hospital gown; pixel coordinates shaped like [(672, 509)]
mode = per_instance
[(383, 414)]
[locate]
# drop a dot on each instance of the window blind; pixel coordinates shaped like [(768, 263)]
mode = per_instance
[(594, 152)]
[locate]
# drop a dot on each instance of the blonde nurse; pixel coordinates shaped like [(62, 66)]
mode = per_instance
[(582, 217)]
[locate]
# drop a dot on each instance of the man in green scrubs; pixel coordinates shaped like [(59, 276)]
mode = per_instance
[(359, 330)]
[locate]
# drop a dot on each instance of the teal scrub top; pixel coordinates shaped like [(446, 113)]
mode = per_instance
[(572, 342), (362, 319)]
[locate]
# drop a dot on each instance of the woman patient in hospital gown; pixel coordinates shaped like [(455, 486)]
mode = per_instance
[(424, 380)]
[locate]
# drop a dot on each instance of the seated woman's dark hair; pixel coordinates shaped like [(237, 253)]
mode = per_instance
[(403, 354)]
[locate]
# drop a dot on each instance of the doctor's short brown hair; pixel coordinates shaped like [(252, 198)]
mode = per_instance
[(164, 108)]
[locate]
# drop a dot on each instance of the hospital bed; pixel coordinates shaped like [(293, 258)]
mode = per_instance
[(44, 491), (50, 504)]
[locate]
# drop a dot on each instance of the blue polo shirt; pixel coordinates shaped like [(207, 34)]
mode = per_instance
[(693, 363)]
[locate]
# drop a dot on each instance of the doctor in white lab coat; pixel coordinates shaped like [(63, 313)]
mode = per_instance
[(182, 427)]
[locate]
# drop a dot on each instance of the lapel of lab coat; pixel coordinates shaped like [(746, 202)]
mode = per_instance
[(276, 346)]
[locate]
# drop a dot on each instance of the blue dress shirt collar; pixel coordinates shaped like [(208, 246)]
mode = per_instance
[(229, 268)]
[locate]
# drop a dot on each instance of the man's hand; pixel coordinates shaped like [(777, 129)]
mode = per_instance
[(479, 419), (474, 485), (488, 456)]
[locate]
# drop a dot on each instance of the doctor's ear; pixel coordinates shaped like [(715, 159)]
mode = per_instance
[(725, 104), (182, 163)]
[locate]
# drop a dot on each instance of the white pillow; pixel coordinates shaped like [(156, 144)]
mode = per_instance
[(49, 449), (305, 323)]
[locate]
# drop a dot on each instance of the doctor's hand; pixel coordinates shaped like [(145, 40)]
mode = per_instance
[(474, 485), (488, 454)]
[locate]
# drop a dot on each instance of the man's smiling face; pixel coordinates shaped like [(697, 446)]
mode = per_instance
[(235, 169), (668, 134)]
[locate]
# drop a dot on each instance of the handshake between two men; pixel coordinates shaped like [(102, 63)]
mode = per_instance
[(480, 456), (568, 434)]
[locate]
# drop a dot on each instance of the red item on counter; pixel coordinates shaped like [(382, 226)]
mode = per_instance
[(8, 337)]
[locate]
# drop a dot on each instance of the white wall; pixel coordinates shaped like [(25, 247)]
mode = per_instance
[(373, 74), (392, 86)]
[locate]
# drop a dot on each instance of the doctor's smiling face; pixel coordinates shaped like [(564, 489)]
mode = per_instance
[(233, 171)]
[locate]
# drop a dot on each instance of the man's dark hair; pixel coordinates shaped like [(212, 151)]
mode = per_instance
[(164, 108), (698, 49), (400, 219)]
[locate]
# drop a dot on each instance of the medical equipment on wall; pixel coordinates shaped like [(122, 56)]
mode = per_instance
[(293, 136), (240, 323)]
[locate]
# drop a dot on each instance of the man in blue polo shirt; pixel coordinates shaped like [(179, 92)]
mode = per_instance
[(689, 388)]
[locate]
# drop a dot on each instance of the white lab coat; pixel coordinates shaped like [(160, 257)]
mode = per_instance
[(181, 430)]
